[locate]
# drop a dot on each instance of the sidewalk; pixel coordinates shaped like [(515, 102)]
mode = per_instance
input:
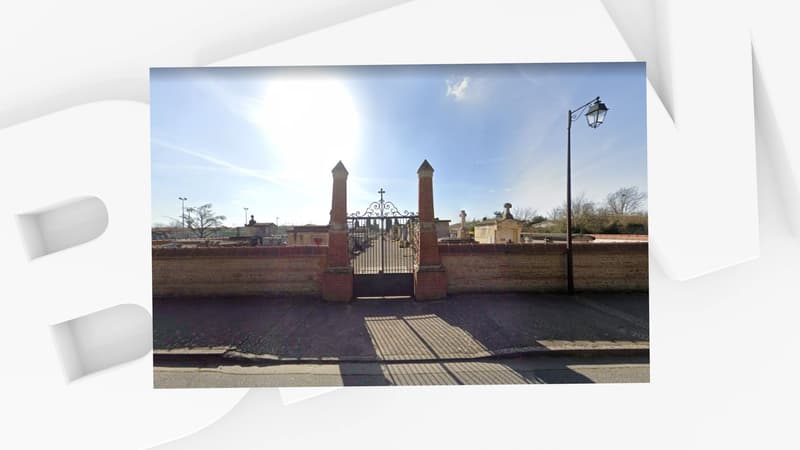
[(460, 328)]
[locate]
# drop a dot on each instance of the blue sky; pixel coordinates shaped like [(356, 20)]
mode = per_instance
[(267, 138)]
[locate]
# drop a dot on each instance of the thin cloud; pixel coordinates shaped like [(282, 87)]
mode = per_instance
[(219, 162), (246, 107), (458, 90)]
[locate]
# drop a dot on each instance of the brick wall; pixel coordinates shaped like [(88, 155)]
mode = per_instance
[(611, 266), (288, 271), (242, 271), (542, 267)]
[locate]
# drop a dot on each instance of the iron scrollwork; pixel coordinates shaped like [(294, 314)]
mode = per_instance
[(382, 208)]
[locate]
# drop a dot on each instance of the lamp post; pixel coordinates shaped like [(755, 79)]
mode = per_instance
[(183, 211), (595, 116), (245, 216)]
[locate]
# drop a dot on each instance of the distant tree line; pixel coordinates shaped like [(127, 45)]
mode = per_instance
[(198, 220), (621, 212)]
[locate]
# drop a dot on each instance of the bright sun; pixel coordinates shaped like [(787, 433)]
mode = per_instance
[(311, 124)]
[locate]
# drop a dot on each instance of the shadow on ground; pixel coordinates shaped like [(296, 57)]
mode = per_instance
[(468, 325), (458, 373), (437, 339), (529, 369)]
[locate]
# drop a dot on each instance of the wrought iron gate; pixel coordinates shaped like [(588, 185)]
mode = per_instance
[(382, 244)]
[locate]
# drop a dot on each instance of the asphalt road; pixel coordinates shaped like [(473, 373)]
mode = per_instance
[(460, 327), (522, 370)]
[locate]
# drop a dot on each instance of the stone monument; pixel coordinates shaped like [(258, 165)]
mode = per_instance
[(462, 230)]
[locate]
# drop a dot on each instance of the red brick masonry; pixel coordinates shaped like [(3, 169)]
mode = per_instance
[(239, 251), (244, 271), (542, 267), (287, 271)]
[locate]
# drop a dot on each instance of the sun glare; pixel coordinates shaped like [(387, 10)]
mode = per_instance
[(310, 123)]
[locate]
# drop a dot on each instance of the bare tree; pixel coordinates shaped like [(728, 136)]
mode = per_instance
[(556, 214), (583, 211), (524, 214), (201, 219), (625, 200), (173, 223), (581, 206)]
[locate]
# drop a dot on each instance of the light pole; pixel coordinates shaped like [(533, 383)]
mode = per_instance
[(594, 117), (245, 216), (183, 211)]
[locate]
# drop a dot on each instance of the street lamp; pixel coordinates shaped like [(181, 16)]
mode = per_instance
[(595, 116), (183, 212)]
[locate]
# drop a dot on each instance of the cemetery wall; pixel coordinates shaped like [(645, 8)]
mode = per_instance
[(293, 271), (542, 267), (242, 271)]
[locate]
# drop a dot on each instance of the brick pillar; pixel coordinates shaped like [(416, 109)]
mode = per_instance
[(337, 280), (430, 281)]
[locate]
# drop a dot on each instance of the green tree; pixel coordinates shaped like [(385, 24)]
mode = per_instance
[(538, 219)]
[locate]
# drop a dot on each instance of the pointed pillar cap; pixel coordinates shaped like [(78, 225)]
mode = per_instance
[(425, 169), (339, 170)]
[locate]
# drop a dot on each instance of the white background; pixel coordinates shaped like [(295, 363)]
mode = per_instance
[(722, 150)]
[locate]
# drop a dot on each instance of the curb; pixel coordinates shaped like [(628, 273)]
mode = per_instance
[(231, 356)]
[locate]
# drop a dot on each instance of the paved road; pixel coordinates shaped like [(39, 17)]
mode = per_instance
[(466, 326), (526, 370)]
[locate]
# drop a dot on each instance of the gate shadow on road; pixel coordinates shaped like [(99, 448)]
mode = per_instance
[(455, 373), (453, 341)]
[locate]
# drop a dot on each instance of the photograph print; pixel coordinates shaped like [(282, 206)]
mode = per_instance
[(399, 225)]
